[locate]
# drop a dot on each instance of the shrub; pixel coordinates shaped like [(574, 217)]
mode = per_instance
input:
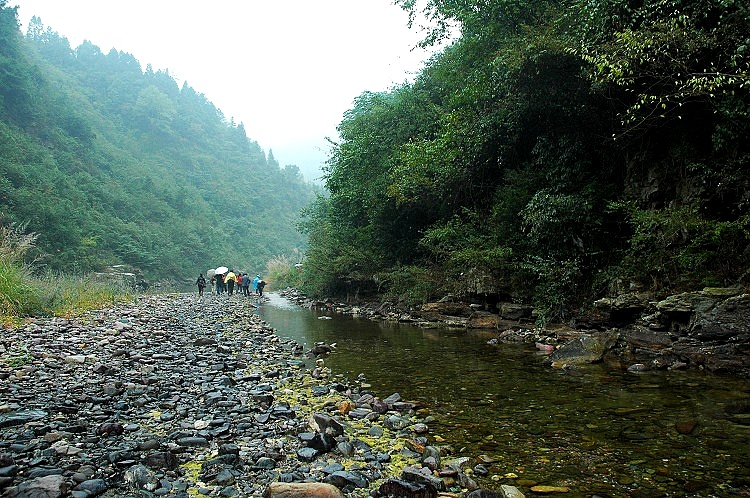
[(677, 248)]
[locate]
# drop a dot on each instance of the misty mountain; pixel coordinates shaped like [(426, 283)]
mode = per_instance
[(113, 164)]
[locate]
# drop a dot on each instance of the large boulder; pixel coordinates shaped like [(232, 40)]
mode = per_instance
[(728, 319), (484, 320), (623, 307), (708, 328), (447, 308), (514, 311), (584, 349)]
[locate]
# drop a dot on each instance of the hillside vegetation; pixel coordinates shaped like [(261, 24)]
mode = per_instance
[(111, 164), (555, 152)]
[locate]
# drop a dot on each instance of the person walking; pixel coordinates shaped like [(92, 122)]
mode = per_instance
[(219, 283), (245, 284), (261, 285), (230, 279), (255, 283), (201, 283)]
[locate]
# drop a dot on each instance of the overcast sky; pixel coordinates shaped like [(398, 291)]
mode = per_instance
[(287, 69)]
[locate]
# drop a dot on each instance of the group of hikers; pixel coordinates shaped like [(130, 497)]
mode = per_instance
[(228, 281)]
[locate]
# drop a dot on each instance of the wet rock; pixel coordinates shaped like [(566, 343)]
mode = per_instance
[(447, 309), (407, 489), (484, 320), (396, 423), (624, 307), (422, 476), (584, 349), (549, 489), (514, 311), (510, 491), (484, 493), (685, 426)]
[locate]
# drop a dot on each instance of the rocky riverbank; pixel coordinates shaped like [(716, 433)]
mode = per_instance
[(707, 329), (180, 396)]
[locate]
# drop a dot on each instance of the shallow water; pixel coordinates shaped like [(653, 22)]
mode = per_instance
[(592, 430)]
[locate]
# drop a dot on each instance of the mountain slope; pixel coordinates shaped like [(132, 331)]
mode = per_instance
[(110, 165)]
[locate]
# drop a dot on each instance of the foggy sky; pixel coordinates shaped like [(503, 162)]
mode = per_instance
[(286, 69)]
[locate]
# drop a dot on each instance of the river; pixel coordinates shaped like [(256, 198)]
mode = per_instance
[(593, 430)]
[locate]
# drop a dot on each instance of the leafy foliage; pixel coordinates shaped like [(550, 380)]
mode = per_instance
[(111, 164), (552, 150)]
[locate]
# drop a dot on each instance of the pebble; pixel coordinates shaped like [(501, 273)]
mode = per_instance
[(175, 395)]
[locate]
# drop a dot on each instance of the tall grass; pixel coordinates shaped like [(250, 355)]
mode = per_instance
[(23, 294), (18, 294), (282, 271), (68, 295)]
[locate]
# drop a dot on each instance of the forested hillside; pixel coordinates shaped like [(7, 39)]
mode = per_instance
[(556, 152), (111, 164)]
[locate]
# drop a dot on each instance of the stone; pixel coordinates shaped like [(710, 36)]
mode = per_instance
[(265, 463), (549, 489), (21, 417), (324, 423), (509, 491), (341, 478), (93, 487), (513, 311), (685, 426), (484, 493), (448, 308), (307, 454), (52, 486), (161, 460), (193, 441), (413, 474), (302, 490), (407, 489), (584, 349), (484, 320), (396, 423)]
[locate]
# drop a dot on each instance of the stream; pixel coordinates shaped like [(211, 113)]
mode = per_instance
[(592, 430)]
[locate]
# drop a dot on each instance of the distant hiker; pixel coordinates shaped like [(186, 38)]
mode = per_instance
[(239, 283), (255, 283), (201, 283), (219, 283), (245, 284), (261, 284), (229, 280)]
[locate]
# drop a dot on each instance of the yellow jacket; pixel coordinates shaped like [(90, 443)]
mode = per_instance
[(230, 276)]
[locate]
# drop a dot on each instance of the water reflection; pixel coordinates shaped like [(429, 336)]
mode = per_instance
[(592, 430)]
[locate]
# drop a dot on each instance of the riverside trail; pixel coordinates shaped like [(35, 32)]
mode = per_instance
[(175, 395)]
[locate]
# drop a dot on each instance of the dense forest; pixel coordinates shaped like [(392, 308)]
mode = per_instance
[(111, 164), (555, 152)]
